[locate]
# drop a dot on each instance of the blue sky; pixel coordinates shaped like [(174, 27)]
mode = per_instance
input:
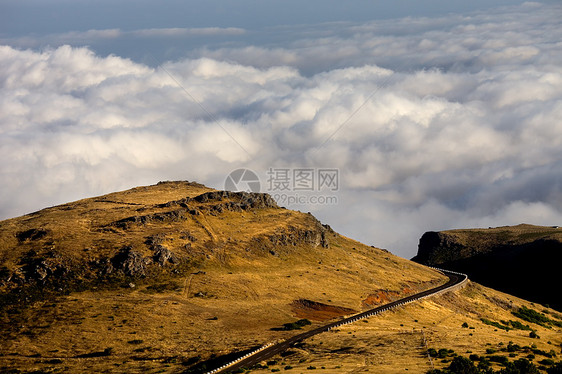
[(263, 21), (437, 114), (42, 17)]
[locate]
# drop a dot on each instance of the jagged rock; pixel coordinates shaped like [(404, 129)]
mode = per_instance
[(238, 201), (163, 255), (171, 216), (256, 200), (41, 269), (130, 262), (295, 236), (125, 222), (213, 195)]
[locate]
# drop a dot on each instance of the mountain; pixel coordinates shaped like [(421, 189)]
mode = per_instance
[(522, 260), (178, 278)]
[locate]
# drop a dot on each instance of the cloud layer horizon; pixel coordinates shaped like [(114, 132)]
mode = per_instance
[(454, 123)]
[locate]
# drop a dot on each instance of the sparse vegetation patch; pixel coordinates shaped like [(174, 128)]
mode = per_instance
[(533, 316), (294, 325), (495, 324)]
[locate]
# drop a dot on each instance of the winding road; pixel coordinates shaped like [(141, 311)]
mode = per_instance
[(267, 352)]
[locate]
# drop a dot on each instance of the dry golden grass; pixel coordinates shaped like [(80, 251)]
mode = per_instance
[(397, 341), (233, 295), (513, 235), (247, 302)]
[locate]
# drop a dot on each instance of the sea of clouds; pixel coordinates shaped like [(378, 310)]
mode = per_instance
[(433, 123)]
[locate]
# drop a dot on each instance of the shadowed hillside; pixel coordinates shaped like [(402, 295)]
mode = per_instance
[(522, 260)]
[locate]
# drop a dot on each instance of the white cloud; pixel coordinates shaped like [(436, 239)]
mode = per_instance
[(508, 37), (460, 128)]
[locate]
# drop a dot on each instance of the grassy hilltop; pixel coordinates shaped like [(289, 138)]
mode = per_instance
[(168, 278)]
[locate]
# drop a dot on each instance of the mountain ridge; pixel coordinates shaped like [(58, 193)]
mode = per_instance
[(177, 277)]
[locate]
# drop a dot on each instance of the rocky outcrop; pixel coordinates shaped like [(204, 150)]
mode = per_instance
[(241, 200), (317, 235), (439, 247), (133, 263), (214, 203), (49, 267), (294, 237), (170, 216), (521, 260), (163, 256), (130, 262)]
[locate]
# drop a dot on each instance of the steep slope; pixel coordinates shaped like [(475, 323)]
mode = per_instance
[(162, 278), (522, 260), (475, 322)]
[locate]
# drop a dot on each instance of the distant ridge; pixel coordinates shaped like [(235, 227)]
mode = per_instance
[(522, 260)]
